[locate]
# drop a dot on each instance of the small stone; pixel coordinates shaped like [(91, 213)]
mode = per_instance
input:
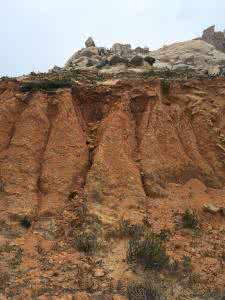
[(66, 297), (119, 297), (210, 228), (81, 296), (208, 207), (214, 70), (222, 228), (90, 42), (99, 273), (55, 101), (161, 276)]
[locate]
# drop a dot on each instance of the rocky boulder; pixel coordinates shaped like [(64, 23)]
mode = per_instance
[(140, 50), (137, 61), (122, 49), (116, 59), (150, 60), (83, 57), (56, 69), (102, 64), (214, 71), (90, 42)]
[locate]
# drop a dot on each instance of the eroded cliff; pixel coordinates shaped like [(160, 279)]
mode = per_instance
[(98, 153)]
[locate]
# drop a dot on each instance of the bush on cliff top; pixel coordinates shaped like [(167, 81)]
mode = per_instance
[(45, 85)]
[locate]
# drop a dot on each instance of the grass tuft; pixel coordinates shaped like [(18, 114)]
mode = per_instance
[(190, 219), (148, 251)]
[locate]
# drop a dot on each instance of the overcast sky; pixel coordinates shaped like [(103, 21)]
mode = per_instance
[(38, 34)]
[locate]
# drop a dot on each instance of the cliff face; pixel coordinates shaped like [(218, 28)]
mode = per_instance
[(110, 146), (137, 137)]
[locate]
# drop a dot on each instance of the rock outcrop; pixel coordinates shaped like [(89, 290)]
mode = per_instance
[(90, 42), (201, 56), (102, 58), (191, 56), (215, 38)]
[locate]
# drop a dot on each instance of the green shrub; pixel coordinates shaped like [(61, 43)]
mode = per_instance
[(148, 74), (143, 291), (25, 222), (165, 86), (149, 251), (190, 219), (72, 196), (96, 196), (130, 230), (6, 78), (45, 85), (4, 280), (86, 242), (186, 263), (164, 234)]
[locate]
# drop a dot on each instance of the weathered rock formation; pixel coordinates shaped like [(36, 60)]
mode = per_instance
[(215, 38), (90, 42), (192, 56), (201, 56), (102, 58)]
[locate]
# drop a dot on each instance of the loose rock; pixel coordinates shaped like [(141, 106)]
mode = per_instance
[(82, 296), (208, 207), (99, 273), (150, 60), (89, 42), (137, 61), (119, 297), (116, 59)]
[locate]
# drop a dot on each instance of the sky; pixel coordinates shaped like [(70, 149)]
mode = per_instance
[(35, 35)]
